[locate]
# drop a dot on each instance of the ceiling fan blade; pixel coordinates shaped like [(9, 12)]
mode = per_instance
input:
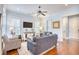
[(44, 11), (43, 14)]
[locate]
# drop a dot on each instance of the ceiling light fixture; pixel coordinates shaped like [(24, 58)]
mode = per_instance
[(41, 12), (66, 4)]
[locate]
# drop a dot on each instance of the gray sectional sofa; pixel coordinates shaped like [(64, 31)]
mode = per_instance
[(40, 44)]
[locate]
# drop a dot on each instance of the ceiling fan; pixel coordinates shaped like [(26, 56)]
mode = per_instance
[(40, 12)]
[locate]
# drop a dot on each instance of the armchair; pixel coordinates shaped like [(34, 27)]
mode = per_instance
[(10, 44)]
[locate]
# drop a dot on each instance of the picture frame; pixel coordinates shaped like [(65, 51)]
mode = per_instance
[(56, 24)]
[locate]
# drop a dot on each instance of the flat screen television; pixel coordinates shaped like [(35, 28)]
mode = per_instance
[(27, 25)]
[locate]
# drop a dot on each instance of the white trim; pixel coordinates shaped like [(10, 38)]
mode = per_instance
[(47, 50), (70, 38)]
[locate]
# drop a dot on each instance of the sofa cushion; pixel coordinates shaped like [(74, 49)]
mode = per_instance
[(34, 39)]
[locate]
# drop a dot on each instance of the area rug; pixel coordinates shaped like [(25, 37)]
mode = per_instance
[(23, 50)]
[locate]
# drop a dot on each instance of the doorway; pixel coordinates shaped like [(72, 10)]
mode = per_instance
[(70, 27), (74, 27)]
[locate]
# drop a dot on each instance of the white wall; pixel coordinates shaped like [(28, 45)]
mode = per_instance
[(0, 39), (1, 9), (55, 31)]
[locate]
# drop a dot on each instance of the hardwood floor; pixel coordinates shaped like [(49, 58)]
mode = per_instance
[(67, 47), (52, 52), (13, 52)]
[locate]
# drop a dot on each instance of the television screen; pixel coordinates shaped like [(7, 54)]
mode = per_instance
[(27, 25)]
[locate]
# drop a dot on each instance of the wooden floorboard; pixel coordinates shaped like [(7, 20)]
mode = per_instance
[(52, 52), (12, 52)]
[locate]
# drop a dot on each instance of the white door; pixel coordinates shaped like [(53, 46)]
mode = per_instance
[(74, 27)]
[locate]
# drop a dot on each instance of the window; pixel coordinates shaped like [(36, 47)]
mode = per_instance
[(11, 25)]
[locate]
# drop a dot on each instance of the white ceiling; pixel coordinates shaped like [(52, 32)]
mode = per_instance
[(33, 8)]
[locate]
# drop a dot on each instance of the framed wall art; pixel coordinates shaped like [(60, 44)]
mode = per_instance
[(56, 24)]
